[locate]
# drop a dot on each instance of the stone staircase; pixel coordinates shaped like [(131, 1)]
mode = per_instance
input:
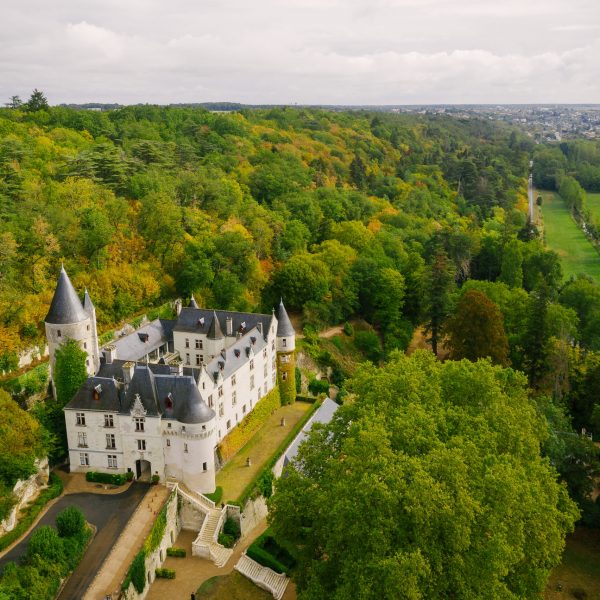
[(263, 577), (206, 544)]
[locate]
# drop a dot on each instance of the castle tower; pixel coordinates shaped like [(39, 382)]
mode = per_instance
[(90, 309), (68, 319), (286, 356)]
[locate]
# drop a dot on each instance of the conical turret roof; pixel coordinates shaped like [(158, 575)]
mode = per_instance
[(65, 306), (284, 325), (88, 305), (193, 303), (215, 332)]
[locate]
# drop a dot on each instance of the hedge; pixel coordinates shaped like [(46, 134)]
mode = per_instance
[(262, 557), (109, 478), (216, 495), (226, 540), (178, 552), (242, 434), (30, 513), (165, 573), (262, 476)]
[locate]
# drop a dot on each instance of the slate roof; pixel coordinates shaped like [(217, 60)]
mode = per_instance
[(115, 369), (199, 320), (142, 384), (193, 303), (88, 305), (284, 325), (135, 346), (214, 331), (324, 414), (65, 306), (187, 405), (230, 360), (109, 396)]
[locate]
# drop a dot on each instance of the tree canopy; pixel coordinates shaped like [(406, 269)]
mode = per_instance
[(429, 485)]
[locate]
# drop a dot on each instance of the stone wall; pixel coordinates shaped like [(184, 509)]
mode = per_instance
[(25, 491)]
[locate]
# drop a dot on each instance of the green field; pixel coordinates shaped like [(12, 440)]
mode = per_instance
[(593, 204), (567, 240)]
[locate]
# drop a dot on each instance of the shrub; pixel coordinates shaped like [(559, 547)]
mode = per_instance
[(262, 557), (137, 572), (165, 573), (368, 343), (318, 386), (216, 495), (177, 552), (155, 479), (232, 527), (226, 540), (45, 542), (70, 522), (265, 483), (348, 329)]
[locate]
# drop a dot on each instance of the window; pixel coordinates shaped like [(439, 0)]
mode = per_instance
[(199, 344), (273, 345), (169, 425), (210, 401), (229, 424), (185, 448), (187, 358), (244, 409), (88, 328), (109, 421), (87, 362), (274, 377), (183, 428), (139, 423), (112, 461), (80, 419), (233, 398), (82, 439), (221, 410), (205, 466), (251, 382), (265, 353), (284, 342), (220, 391), (233, 379), (252, 364), (265, 371), (168, 443), (84, 459), (59, 333), (85, 345), (110, 441), (197, 359), (284, 376), (141, 445), (187, 343)]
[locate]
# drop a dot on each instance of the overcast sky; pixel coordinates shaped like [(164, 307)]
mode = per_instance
[(304, 51)]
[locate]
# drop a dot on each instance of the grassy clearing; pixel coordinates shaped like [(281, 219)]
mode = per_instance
[(592, 202), (567, 240), (580, 568), (235, 475), (233, 587)]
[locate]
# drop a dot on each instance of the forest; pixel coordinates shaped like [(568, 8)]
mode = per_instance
[(415, 224)]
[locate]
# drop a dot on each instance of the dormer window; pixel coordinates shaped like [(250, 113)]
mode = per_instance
[(252, 364), (237, 352), (169, 402), (253, 340), (201, 321)]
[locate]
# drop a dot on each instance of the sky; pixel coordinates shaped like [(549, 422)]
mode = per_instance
[(302, 51)]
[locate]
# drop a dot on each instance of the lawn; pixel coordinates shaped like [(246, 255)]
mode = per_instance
[(567, 240), (233, 587), (593, 204), (235, 475), (580, 568)]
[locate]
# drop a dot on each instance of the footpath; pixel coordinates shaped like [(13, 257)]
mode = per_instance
[(108, 579)]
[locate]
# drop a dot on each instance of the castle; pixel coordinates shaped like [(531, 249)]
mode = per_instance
[(159, 400)]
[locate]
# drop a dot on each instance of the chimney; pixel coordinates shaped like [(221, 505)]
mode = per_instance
[(178, 305), (110, 354), (128, 370), (229, 326), (259, 326)]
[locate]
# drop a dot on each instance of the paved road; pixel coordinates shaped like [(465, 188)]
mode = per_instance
[(530, 194), (109, 513)]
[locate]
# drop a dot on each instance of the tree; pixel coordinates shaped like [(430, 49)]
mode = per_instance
[(438, 283), (476, 330), (70, 522), (69, 371), (358, 172), (37, 101), (15, 102), (511, 270), (433, 481), (536, 346)]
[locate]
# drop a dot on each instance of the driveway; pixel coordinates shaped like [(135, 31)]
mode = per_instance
[(109, 513)]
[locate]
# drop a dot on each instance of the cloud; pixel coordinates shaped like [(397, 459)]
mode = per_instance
[(306, 51)]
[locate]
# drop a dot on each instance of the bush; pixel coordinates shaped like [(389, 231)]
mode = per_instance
[(368, 343), (45, 542), (137, 572), (177, 552), (70, 522), (265, 483), (348, 329), (109, 478), (155, 479), (226, 540), (262, 557), (232, 527), (165, 573), (318, 386), (216, 495)]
